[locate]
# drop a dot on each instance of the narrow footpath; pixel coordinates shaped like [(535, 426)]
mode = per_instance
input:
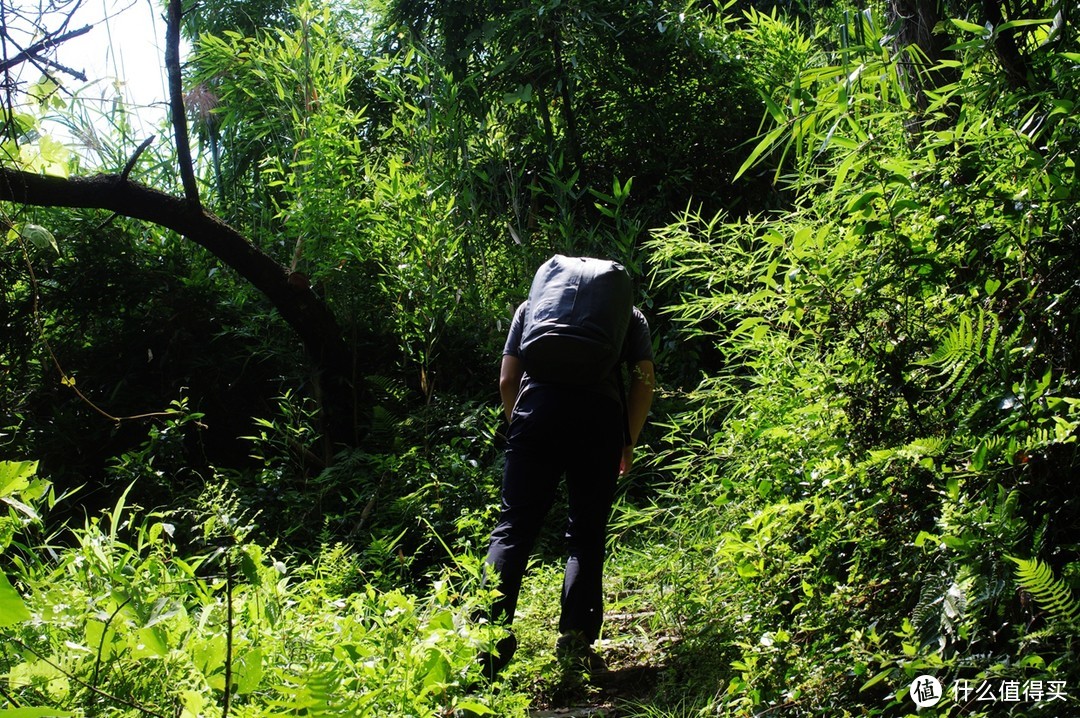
[(635, 658)]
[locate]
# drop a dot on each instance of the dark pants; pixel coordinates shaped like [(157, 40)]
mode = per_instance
[(558, 431)]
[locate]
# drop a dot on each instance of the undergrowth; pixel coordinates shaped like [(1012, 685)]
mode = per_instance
[(116, 617)]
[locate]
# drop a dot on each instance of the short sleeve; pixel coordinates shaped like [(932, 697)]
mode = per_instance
[(638, 345), (513, 337)]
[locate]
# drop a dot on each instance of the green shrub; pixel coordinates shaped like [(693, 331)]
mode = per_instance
[(117, 616)]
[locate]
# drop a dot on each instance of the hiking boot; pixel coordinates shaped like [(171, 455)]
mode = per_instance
[(573, 649)]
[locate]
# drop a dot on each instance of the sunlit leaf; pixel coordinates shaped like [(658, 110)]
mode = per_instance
[(12, 608), (15, 476), (39, 237), (968, 26)]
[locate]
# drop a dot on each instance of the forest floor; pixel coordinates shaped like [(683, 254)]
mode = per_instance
[(639, 644), (635, 660)]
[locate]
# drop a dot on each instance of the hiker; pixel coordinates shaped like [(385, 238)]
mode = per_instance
[(563, 393)]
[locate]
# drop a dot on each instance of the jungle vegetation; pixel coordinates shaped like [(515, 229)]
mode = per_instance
[(250, 440)]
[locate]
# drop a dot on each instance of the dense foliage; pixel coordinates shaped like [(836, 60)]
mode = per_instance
[(898, 415), (856, 244)]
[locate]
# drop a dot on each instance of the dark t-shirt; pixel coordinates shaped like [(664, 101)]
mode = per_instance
[(636, 347)]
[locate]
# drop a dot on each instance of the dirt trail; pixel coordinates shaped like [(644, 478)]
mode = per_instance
[(634, 658)]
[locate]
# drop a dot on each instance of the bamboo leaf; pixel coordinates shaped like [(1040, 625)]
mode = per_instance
[(766, 144), (969, 26), (1023, 23)]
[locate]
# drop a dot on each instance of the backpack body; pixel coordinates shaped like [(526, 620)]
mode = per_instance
[(576, 320)]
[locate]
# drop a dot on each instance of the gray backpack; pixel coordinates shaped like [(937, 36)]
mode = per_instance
[(576, 320)]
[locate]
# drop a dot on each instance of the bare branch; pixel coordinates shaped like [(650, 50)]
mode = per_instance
[(80, 76), (135, 158), (48, 43)]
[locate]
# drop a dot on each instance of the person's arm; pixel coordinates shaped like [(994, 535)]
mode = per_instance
[(510, 374), (642, 382)]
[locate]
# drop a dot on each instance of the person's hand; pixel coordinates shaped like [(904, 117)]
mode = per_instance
[(627, 460)]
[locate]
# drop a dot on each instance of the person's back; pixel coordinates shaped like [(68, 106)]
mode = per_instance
[(576, 320), (568, 416)]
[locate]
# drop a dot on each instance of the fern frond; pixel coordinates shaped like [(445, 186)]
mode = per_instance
[(1051, 593), (928, 611), (957, 354), (390, 392), (954, 607), (956, 347), (966, 347)]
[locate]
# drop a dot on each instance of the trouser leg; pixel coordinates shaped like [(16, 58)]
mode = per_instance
[(528, 491), (564, 430), (591, 489)]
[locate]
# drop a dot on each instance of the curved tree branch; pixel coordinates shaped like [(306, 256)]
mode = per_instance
[(304, 311)]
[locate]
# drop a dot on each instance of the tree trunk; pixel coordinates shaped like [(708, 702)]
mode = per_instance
[(915, 22), (1013, 62), (304, 311)]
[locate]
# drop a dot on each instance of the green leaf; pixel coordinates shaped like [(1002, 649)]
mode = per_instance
[(862, 200), (1023, 23), (747, 569), (774, 110), (15, 476), (12, 608), (980, 456), (118, 512), (249, 567), (100, 637), (151, 642), (436, 672), (34, 713), (969, 26), (957, 543), (842, 172), (876, 679), (924, 536), (21, 508), (208, 654), (249, 670), (764, 146), (522, 94)]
